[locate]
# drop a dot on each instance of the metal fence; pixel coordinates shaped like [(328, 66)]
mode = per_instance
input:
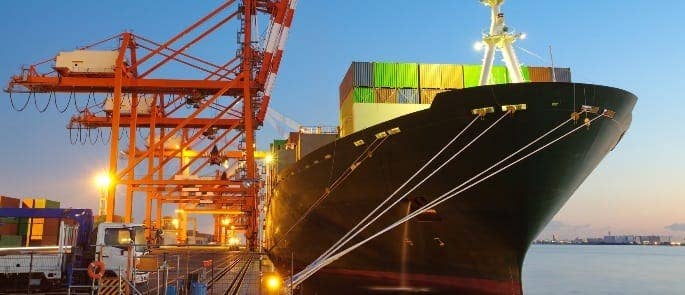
[(177, 271)]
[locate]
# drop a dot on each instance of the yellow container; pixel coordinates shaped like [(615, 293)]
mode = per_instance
[(430, 76), (428, 95), (452, 76)]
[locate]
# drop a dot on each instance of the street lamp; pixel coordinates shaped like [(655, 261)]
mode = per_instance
[(103, 181)]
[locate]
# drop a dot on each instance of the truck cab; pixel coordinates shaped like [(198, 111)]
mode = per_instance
[(120, 245)]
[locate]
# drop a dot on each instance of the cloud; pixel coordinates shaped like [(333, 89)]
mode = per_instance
[(676, 227)]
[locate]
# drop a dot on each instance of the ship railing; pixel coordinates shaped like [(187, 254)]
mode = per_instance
[(319, 129)]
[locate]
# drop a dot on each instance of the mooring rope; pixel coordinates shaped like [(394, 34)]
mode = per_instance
[(312, 268), (358, 161), (353, 232)]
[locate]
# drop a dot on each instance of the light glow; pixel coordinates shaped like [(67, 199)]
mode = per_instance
[(478, 46), (269, 158), (273, 282), (103, 180)]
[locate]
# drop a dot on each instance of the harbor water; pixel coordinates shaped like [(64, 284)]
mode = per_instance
[(572, 269)]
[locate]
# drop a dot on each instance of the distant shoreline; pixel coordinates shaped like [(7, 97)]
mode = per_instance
[(568, 243)]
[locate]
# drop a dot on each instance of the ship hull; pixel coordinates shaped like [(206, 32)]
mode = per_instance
[(476, 242)]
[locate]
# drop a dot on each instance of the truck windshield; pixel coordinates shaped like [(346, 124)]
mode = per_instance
[(121, 237), (140, 241), (117, 237)]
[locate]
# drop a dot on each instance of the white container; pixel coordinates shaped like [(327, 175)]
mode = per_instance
[(143, 108), (86, 62)]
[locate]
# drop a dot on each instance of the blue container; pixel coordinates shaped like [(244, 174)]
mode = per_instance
[(171, 290), (198, 288), (408, 95)]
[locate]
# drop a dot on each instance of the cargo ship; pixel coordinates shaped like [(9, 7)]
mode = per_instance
[(422, 130)]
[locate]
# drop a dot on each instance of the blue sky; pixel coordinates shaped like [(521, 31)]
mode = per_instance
[(635, 45)]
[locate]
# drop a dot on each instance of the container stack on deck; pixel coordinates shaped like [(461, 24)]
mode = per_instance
[(15, 232), (374, 92)]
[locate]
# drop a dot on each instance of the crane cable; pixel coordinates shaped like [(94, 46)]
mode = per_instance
[(25, 103), (66, 106), (358, 161), (444, 197), (347, 236), (35, 103)]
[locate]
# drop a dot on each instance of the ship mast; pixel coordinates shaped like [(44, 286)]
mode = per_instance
[(500, 38)]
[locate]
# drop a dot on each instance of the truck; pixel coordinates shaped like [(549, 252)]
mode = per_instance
[(81, 244)]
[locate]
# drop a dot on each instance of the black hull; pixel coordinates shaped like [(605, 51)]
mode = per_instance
[(479, 244)]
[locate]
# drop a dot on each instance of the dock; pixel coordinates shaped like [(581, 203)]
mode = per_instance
[(212, 270)]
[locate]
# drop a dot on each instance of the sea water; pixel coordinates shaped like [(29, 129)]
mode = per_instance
[(576, 269)]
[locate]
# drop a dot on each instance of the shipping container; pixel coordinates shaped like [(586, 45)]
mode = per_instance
[(562, 74), (408, 95), (7, 202), (499, 75), (452, 76), (358, 116), (363, 94), (385, 74), (363, 74), (427, 95), (278, 144), (540, 74), (471, 76), (430, 76), (525, 73), (346, 120), (9, 226), (347, 84), (385, 95), (407, 75), (359, 74), (7, 241)]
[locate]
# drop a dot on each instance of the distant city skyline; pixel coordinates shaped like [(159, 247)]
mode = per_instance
[(628, 44)]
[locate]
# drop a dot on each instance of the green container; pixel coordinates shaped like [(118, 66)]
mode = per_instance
[(364, 94), (385, 74), (10, 241), (526, 73), (498, 75), (407, 75), (23, 225), (51, 204), (279, 144), (471, 75)]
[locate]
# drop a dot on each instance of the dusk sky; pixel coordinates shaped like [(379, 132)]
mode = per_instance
[(633, 44)]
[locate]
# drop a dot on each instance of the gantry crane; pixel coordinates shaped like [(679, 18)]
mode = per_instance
[(190, 124)]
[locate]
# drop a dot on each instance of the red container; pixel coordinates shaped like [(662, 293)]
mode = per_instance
[(7, 202)]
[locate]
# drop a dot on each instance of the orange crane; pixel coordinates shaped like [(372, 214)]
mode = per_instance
[(225, 103)]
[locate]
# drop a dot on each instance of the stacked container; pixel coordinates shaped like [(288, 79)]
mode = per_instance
[(411, 85), (9, 228), (40, 231)]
